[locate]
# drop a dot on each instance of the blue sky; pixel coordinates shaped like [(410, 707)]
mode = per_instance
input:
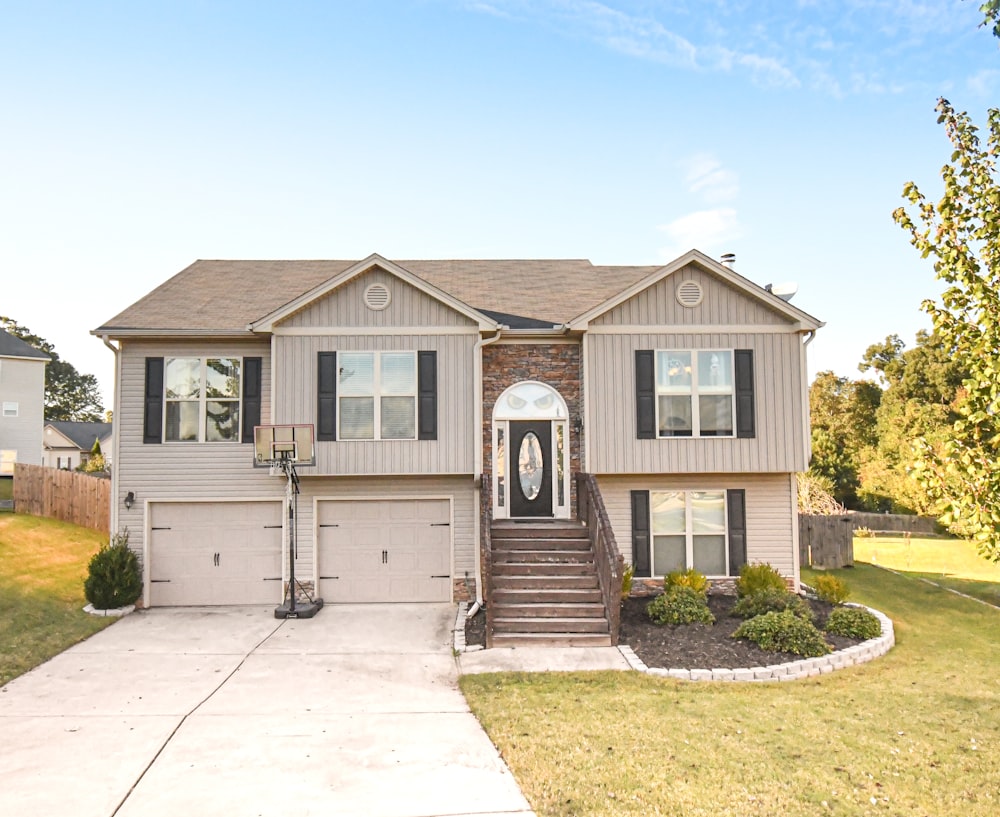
[(137, 137)]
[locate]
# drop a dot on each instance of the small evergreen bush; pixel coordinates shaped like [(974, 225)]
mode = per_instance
[(686, 578), (853, 622), (758, 577), (627, 575), (114, 578), (831, 589), (784, 632), (771, 600), (680, 605)]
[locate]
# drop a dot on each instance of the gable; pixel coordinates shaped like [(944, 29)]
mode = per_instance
[(720, 304), (347, 306)]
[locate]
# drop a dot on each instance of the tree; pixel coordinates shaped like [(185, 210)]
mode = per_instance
[(95, 462), (991, 16), (69, 395), (962, 235)]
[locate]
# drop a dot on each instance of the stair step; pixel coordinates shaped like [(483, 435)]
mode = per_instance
[(504, 595), (585, 582), (548, 610), (564, 556), (543, 568), (539, 543), (516, 530), (551, 640), (550, 625)]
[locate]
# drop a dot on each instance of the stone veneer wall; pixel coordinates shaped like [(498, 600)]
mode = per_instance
[(558, 365)]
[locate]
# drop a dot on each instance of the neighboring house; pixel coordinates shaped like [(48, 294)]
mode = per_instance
[(22, 402), (68, 444), (433, 384)]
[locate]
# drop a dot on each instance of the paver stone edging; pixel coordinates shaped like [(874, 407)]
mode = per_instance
[(792, 671), (114, 611)]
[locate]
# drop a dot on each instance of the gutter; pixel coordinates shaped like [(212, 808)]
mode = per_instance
[(477, 364), (115, 432), (807, 429)]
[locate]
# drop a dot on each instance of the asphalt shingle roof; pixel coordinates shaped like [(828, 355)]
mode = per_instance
[(82, 434), (11, 346)]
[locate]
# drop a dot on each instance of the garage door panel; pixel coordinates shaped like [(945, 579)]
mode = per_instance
[(215, 553), (415, 535)]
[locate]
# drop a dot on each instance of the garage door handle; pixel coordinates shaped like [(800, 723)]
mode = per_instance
[(216, 559), (159, 581), (385, 557), (440, 524)]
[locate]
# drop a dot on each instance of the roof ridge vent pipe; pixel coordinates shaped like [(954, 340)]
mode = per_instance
[(729, 260)]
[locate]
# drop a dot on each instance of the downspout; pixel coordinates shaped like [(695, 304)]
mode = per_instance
[(796, 566), (115, 432), (477, 365)]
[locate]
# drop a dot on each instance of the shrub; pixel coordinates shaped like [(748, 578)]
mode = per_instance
[(758, 577), (627, 575), (771, 601), (114, 578), (784, 632), (686, 578), (864, 533), (680, 605), (853, 622), (831, 589)]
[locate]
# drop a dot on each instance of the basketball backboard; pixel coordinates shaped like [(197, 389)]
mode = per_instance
[(274, 444)]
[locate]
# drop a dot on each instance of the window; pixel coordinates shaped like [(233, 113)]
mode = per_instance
[(377, 395), (10, 409), (7, 460), (694, 393), (689, 529), (202, 399)]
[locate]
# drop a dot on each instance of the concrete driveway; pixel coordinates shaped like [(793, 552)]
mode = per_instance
[(212, 711)]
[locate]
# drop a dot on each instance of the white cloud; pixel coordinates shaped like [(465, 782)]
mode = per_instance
[(705, 175), (984, 83), (705, 230)]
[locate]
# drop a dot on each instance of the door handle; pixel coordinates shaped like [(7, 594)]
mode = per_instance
[(385, 557)]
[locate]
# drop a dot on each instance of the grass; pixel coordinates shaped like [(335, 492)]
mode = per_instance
[(914, 732), (42, 566)]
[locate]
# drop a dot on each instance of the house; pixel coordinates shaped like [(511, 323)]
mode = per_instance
[(453, 403), (22, 402), (68, 444)]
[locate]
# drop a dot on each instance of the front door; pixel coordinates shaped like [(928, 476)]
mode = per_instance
[(531, 468)]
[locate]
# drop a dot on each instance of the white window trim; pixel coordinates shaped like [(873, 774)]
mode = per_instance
[(202, 399), (694, 392), (378, 395), (11, 408), (689, 534)]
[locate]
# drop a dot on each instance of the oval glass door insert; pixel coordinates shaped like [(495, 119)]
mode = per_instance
[(530, 466)]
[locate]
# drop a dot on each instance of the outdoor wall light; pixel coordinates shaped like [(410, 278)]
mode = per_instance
[(578, 424), (129, 500)]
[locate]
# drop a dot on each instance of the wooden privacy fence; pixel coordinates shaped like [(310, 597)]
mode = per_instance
[(826, 541), (67, 495), (886, 522)]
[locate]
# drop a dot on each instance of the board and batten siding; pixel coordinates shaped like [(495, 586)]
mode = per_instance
[(771, 507), (721, 305), (460, 489), (182, 470), (779, 444), (295, 366), (408, 306)]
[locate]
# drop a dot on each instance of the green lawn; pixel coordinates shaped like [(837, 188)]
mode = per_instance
[(42, 566), (916, 732), (952, 563)]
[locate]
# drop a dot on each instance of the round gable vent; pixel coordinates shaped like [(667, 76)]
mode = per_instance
[(377, 297), (689, 293)]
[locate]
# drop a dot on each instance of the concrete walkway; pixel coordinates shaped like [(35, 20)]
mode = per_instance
[(231, 712)]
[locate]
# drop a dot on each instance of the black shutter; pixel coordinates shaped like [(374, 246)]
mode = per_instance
[(736, 501), (645, 395), (152, 415), (251, 396), (640, 533), (745, 422), (326, 388), (427, 407)]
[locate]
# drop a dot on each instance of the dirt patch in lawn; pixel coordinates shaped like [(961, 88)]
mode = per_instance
[(689, 646)]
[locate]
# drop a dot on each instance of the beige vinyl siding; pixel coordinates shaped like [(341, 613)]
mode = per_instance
[(772, 515), (459, 489), (451, 453), (345, 307), (779, 444), (721, 305), (22, 382), (182, 470)]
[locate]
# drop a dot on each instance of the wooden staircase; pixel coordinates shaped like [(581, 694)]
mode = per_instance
[(544, 586)]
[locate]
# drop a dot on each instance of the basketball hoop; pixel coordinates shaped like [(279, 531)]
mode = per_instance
[(281, 448)]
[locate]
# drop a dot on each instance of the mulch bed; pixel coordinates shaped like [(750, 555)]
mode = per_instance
[(689, 646)]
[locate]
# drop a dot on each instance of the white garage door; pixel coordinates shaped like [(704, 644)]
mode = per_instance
[(204, 553), (384, 550)]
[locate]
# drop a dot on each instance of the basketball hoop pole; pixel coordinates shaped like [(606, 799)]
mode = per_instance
[(289, 608)]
